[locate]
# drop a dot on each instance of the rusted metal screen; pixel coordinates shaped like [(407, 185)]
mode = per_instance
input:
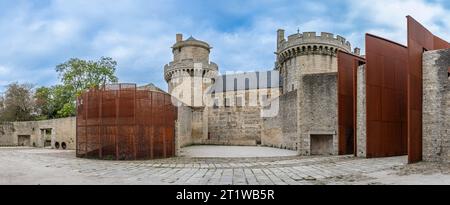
[(347, 67), (123, 123), (386, 70), (419, 40)]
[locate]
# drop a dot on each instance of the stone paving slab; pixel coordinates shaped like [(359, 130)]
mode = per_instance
[(210, 151), (44, 166)]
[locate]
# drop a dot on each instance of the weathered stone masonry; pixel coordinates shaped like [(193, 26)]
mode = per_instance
[(281, 131), (361, 112), (436, 106), (46, 133), (317, 121)]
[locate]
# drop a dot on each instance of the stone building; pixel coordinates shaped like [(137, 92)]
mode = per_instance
[(299, 104), (57, 133), (293, 106)]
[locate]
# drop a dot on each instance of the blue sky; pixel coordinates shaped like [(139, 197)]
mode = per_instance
[(36, 35)]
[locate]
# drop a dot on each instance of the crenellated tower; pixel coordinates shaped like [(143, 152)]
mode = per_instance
[(307, 53), (190, 71)]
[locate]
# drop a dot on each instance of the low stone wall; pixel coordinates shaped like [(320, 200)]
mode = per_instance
[(436, 106), (7, 134), (39, 133), (281, 131), (361, 112), (318, 111), (234, 126)]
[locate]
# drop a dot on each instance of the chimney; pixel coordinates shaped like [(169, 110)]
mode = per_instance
[(179, 37), (357, 51), (280, 37)]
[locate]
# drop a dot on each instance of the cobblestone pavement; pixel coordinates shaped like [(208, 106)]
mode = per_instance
[(43, 166)]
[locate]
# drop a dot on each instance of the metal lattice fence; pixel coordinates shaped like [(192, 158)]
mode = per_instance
[(121, 122)]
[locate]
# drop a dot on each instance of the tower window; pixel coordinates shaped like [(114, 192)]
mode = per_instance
[(227, 102), (239, 102), (247, 84), (216, 103)]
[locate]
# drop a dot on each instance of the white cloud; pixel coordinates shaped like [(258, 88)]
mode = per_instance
[(139, 33), (4, 70), (387, 18)]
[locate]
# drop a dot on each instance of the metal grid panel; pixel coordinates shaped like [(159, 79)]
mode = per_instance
[(122, 123)]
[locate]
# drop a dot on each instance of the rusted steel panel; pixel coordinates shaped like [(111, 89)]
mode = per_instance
[(419, 40), (347, 65), (122, 123), (386, 69)]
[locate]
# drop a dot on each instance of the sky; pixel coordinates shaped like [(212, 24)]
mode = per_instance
[(37, 35)]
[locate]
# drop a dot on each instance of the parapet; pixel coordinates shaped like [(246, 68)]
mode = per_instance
[(190, 42), (189, 66), (312, 38)]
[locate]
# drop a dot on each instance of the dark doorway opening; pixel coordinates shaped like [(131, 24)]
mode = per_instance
[(321, 145), (24, 140)]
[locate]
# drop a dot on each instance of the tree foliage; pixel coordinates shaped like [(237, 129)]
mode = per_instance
[(20, 102), (17, 104), (79, 75)]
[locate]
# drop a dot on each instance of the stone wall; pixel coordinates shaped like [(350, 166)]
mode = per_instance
[(436, 106), (234, 126), (305, 64), (317, 97), (55, 131), (198, 125), (361, 112), (183, 127), (281, 131), (7, 134)]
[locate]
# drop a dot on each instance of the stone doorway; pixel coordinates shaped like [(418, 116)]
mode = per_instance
[(46, 137), (321, 145), (24, 140)]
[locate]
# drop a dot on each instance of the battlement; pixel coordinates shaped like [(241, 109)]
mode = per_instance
[(312, 38), (184, 66)]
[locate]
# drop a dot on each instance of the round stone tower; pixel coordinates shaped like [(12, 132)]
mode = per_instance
[(190, 73), (307, 53)]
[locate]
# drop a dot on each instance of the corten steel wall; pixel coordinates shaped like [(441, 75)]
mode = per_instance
[(347, 65), (123, 123), (419, 40), (386, 70)]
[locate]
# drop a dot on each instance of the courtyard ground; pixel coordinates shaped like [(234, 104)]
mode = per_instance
[(208, 151), (45, 166)]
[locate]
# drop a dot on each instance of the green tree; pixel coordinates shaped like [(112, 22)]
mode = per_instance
[(17, 103), (77, 76), (43, 103), (80, 75), (54, 102)]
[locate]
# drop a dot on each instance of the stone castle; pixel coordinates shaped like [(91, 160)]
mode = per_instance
[(310, 101), (293, 106)]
